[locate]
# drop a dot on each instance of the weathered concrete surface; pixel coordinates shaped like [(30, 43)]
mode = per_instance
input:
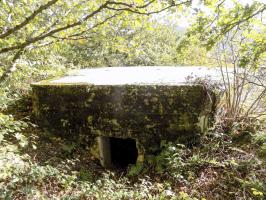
[(144, 103), (137, 75)]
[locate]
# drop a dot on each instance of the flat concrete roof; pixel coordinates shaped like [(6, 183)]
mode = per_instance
[(150, 75)]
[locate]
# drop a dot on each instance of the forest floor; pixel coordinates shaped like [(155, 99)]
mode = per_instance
[(35, 164)]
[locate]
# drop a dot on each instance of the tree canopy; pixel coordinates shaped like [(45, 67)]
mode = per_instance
[(101, 29), (27, 25)]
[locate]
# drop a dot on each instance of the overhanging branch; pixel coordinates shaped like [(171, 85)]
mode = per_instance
[(28, 19), (127, 7), (52, 32), (12, 66)]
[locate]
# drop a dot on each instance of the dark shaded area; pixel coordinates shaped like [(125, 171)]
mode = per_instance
[(123, 152), (157, 112)]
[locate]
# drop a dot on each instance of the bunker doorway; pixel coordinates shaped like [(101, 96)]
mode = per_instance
[(117, 152)]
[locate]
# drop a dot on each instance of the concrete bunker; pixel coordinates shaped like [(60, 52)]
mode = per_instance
[(129, 109)]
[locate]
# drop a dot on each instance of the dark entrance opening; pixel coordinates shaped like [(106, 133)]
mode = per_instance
[(123, 152)]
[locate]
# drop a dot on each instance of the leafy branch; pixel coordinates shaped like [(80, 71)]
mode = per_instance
[(28, 19)]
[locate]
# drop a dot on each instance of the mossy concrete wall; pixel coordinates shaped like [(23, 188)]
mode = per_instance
[(147, 113)]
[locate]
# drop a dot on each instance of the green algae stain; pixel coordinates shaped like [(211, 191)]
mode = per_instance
[(115, 124), (90, 119)]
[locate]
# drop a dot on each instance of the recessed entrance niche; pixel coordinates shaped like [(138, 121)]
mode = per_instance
[(117, 152)]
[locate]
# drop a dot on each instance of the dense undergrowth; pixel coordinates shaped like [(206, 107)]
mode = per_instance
[(35, 164)]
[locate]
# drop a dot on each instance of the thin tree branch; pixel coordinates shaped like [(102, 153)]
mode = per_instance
[(134, 9), (94, 26), (52, 32), (28, 19), (262, 94), (12, 66), (231, 25), (130, 5)]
